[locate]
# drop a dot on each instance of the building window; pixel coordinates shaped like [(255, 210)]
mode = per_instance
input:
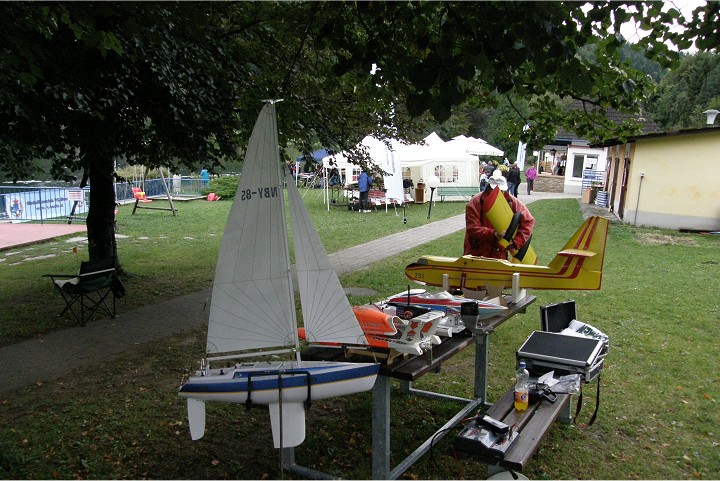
[(583, 162), (447, 174)]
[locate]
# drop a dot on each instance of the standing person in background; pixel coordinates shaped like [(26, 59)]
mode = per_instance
[(364, 184), (530, 175), (513, 179), (205, 177), (488, 170), (483, 181)]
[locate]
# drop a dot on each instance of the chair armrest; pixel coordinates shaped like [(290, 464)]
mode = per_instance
[(94, 273)]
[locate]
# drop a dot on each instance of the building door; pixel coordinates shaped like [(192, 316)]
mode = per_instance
[(623, 188), (614, 184)]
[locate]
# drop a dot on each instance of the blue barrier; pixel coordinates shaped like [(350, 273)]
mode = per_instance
[(25, 203)]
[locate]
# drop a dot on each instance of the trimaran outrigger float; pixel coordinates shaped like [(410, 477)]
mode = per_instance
[(252, 311)]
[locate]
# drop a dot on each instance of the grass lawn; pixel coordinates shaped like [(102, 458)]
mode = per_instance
[(122, 418)]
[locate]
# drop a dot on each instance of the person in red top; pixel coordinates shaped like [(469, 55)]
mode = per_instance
[(481, 238)]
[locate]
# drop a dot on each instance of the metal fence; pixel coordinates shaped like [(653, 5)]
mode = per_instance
[(25, 203), (176, 186)]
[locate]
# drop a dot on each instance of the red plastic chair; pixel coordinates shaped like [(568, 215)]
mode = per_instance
[(140, 195)]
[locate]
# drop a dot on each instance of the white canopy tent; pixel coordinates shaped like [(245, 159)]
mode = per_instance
[(455, 162), (452, 165), (381, 156)]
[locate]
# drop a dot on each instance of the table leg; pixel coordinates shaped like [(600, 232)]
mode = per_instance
[(381, 428), (482, 349)]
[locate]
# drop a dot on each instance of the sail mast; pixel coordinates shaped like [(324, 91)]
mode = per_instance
[(291, 288)]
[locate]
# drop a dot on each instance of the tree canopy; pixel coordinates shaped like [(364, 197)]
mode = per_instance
[(160, 83)]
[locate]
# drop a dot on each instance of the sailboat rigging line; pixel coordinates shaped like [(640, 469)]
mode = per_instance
[(283, 176), (291, 68)]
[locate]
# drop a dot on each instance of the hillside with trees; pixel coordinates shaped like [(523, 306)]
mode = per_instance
[(686, 91)]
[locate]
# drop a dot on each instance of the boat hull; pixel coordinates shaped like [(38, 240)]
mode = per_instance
[(261, 382)]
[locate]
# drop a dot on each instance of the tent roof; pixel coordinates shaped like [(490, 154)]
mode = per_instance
[(412, 154), (434, 139), (315, 156), (475, 146)]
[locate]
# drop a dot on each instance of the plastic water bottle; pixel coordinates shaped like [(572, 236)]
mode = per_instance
[(521, 387)]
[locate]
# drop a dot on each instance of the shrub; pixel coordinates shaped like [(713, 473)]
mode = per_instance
[(224, 186)]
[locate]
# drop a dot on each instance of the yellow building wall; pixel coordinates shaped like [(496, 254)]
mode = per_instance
[(679, 188)]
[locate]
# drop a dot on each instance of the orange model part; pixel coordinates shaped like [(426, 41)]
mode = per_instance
[(374, 321)]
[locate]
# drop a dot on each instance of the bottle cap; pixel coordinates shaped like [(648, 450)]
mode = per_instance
[(522, 364)]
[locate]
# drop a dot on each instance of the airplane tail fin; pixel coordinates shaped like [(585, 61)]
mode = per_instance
[(588, 246)]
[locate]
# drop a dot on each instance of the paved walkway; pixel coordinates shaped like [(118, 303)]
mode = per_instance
[(14, 235), (61, 352)]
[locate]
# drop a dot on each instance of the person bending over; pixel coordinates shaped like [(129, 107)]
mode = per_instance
[(481, 238)]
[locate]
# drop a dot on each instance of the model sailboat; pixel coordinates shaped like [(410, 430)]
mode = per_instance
[(252, 312)]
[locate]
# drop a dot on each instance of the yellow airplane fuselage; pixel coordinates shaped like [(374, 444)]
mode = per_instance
[(577, 267)]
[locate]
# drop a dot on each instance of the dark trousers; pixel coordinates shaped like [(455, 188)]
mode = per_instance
[(529, 185), (364, 204)]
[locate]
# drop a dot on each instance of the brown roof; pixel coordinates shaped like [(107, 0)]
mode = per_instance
[(646, 123)]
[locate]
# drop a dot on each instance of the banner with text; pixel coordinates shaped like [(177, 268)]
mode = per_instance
[(44, 204)]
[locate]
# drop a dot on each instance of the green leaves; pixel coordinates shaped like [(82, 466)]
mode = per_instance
[(198, 71)]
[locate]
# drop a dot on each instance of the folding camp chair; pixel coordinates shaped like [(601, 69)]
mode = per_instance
[(88, 291)]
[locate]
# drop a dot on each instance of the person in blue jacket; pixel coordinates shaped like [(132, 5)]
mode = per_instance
[(364, 184)]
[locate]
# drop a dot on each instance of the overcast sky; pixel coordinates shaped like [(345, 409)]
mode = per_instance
[(686, 7)]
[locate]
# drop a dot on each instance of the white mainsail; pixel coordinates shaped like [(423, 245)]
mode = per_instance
[(252, 305)]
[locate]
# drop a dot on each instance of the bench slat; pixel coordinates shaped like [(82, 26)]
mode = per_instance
[(533, 424), (533, 432), (457, 191)]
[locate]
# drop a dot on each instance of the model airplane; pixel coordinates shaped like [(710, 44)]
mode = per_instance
[(442, 301), (578, 266), (385, 330)]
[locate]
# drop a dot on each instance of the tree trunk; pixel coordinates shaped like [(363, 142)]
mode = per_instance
[(101, 214)]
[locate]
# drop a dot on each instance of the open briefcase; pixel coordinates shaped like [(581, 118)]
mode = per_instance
[(547, 351)]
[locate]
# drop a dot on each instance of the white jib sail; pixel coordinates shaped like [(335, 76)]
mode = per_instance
[(327, 314)]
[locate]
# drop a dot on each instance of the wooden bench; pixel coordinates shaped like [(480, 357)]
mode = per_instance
[(456, 191), (532, 425), (378, 197)]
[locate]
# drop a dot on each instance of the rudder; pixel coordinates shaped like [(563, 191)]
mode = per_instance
[(590, 240)]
